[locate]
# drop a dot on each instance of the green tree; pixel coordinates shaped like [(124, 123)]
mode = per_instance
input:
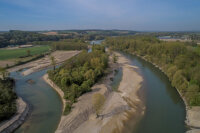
[(7, 99), (4, 73), (90, 75), (53, 62), (28, 52), (95, 62), (114, 58)]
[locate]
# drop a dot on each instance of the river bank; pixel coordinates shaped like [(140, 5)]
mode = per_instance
[(34, 66), (192, 113), (117, 109), (56, 88), (20, 116)]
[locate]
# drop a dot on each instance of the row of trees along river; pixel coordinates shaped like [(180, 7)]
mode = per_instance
[(179, 61), (164, 108)]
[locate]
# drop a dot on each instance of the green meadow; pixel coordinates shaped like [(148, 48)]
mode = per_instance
[(6, 54)]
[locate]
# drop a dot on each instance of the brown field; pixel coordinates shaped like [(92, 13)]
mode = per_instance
[(50, 33), (3, 63)]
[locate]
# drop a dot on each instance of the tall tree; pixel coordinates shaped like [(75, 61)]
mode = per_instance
[(28, 52), (53, 62), (4, 73)]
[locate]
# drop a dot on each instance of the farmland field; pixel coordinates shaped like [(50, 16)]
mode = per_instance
[(6, 54)]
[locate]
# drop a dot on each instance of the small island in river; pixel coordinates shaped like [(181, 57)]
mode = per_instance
[(118, 106)]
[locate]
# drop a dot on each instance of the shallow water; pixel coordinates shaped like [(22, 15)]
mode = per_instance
[(165, 110), (46, 106), (117, 79), (94, 42)]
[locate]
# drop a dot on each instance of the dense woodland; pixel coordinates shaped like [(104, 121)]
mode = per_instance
[(76, 76), (179, 61), (69, 44), (23, 37), (7, 99), (97, 34)]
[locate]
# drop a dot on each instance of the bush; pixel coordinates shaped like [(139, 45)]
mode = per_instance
[(68, 107), (98, 101)]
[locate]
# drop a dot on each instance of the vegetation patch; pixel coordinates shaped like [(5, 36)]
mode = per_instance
[(6, 54), (7, 96), (69, 44), (98, 101), (76, 76)]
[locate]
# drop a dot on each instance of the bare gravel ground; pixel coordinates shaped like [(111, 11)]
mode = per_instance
[(60, 56), (119, 105)]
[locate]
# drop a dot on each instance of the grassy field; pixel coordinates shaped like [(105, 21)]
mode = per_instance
[(6, 54)]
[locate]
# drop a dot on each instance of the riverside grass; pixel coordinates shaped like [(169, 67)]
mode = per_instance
[(6, 54)]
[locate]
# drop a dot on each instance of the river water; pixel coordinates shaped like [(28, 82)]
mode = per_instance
[(165, 110), (46, 106)]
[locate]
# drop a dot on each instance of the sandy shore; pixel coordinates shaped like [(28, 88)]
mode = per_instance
[(60, 57), (20, 116), (193, 119), (22, 107), (119, 105)]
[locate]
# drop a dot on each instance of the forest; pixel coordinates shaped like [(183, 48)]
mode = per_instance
[(95, 34), (14, 37), (179, 61), (7, 98), (69, 44), (77, 75)]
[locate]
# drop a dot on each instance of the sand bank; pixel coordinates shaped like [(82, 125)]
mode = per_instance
[(60, 57), (193, 119), (117, 109)]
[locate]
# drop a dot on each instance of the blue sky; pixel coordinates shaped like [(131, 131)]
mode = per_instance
[(140, 15)]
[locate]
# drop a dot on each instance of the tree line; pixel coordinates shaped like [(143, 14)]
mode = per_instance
[(69, 44), (7, 96), (14, 37), (77, 75), (179, 61)]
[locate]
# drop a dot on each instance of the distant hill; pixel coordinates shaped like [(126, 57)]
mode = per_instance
[(16, 37)]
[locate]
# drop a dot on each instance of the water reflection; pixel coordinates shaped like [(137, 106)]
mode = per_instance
[(45, 103), (165, 110)]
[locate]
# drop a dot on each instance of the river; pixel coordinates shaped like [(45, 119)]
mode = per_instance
[(165, 110), (46, 106)]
